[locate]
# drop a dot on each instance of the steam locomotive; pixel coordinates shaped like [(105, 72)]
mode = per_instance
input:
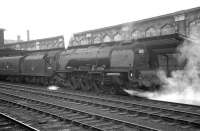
[(111, 67)]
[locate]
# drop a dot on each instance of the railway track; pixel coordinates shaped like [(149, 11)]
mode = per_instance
[(84, 119), (8, 123), (137, 114), (37, 116)]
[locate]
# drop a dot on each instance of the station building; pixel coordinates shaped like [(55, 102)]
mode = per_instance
[(185, 22)]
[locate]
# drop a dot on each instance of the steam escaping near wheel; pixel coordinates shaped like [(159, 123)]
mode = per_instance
[(53, 88), (136, 93), (184, 85)]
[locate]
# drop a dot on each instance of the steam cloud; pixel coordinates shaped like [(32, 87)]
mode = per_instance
[(184, 85), (52, 88)]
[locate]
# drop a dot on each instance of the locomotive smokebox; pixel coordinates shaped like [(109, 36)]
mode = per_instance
[(1, 37)]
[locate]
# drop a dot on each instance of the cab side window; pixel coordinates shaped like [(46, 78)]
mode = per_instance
[(140, 61)]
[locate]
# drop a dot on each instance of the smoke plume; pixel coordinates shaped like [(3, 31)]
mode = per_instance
[(183, 86)]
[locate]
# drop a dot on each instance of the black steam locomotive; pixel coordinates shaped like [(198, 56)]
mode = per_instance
[(111, 67)]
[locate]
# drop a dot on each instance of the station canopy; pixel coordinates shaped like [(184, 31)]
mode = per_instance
[(39, 44)]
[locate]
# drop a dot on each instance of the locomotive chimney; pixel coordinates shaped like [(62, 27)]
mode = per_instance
[(18, 38), (28, 35), (1, 37)]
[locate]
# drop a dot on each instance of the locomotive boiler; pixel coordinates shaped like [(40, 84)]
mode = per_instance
[(117, 66)]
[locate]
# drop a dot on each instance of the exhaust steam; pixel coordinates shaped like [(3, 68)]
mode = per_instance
[(184, 85), (53, 88)]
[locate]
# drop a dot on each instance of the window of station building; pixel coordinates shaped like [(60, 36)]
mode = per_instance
[(37, 45), (42, 47), (151, 32), (84, 41), (117, 37), (97, 40), (73, 43), (60, 39), (136, 34), (47, 46), (194, 29), (54, 45), (167, 29), (61, 45), (107, 38)]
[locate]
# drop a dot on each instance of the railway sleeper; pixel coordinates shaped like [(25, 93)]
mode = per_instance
[(43, 109)]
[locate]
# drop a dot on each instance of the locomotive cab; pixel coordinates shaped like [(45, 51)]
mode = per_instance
[(143, 70)]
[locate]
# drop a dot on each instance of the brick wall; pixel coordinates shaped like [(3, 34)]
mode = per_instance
[(185, 22)]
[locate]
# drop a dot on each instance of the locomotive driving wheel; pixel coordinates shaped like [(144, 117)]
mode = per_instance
[(95, 86), (112, 90), (67, 84), (85, 85), (75, 84)]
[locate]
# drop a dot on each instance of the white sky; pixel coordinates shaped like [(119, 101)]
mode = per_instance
[(47, 18)]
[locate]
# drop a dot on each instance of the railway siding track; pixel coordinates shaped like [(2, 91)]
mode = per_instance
[(180, 107), (185, 114), (8, 123), (43, 121), (141, 112), (77, 115)]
